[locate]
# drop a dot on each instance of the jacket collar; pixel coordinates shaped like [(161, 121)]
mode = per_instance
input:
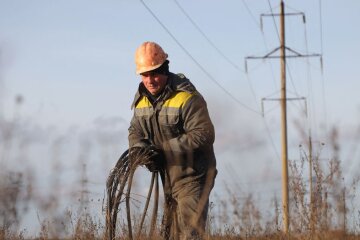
[(176, 83)]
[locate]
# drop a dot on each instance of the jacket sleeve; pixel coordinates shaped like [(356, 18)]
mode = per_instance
[(198, 129)]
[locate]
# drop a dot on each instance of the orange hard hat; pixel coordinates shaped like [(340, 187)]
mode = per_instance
[(149, 56)]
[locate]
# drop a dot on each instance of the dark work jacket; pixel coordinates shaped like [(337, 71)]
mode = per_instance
[(179, 124)]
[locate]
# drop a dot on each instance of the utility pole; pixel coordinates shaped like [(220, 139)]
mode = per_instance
[(283, 100), (312, 215), (284, 146), (344, 210)]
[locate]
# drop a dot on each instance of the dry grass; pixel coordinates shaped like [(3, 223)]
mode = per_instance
[(323, 211)]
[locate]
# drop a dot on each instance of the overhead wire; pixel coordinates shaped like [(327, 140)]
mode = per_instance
[(264, 121), (247, 72), (278, 35), (197, 63), (213, 45), (251, 14), (353, 149), (321, 28), (273, 76), (322, 75), (309, 83), (287, 65), (263, 118), (294, 9), (312, 116), (272, 13), (263, 37), (208, 74), (309, 77), (230, 62), (220, 52), (206, 37), (216, 48)]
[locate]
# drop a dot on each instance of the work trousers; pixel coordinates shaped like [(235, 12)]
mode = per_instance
[(186, 209)]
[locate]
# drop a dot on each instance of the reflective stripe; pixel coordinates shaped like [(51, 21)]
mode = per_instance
[(143, 103), (178, 100)]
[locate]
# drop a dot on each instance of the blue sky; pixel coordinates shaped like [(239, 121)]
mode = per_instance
[(73, 63), (76, 59)]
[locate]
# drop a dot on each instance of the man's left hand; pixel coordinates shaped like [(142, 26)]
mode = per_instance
[(155, 159)]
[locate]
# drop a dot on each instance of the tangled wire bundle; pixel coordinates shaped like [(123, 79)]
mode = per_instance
[(118, 187)]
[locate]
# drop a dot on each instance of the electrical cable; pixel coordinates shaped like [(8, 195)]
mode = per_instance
[(321, 28), (214, 46), (253, 92), (207, 38), (272, 71), (251, 14), (278, 35), (118, 186), (322, 75), (312, 119), (276, 27), (197, 63), (263, 35), (271, 139)]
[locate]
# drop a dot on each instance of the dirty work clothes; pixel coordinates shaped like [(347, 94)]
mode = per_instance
[(178, 123), (186, 211)]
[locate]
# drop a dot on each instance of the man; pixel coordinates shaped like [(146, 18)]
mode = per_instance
[(171, 117)]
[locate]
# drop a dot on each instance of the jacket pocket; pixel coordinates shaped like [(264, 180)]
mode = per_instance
[(170, 125)]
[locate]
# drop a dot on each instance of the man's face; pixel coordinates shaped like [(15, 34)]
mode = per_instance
[(154, 82)]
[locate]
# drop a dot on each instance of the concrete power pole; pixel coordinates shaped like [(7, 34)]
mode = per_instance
[(283, 99), (284, 146), (312, 215)]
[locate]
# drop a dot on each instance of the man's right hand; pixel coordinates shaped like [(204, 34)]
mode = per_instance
[(152, 157)]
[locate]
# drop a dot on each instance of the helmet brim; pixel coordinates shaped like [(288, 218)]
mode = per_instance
[(147, 69)]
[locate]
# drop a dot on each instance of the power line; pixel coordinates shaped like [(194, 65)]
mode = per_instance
[(263, 35), (321, 29), (272, 14), (196, 62), (292, 80), (271, 139), (207, 38), (310, 93), (215, 47), (294, 52), (322, 75), (251, 14), (230, 62), (266, 47), (277, 32), (263, 118)]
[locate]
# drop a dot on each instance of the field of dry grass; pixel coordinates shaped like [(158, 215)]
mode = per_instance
[(324, 209)]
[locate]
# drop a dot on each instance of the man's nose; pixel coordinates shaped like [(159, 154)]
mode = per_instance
[(151, 79)]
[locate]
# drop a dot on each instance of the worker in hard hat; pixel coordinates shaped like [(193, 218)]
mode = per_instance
[(171, 117)]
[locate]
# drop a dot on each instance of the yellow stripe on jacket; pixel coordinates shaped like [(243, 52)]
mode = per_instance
[(177, 100)]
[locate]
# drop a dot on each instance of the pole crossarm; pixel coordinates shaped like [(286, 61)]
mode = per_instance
[(279, 99), (287, 99), (271, 55), (279, 15)]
